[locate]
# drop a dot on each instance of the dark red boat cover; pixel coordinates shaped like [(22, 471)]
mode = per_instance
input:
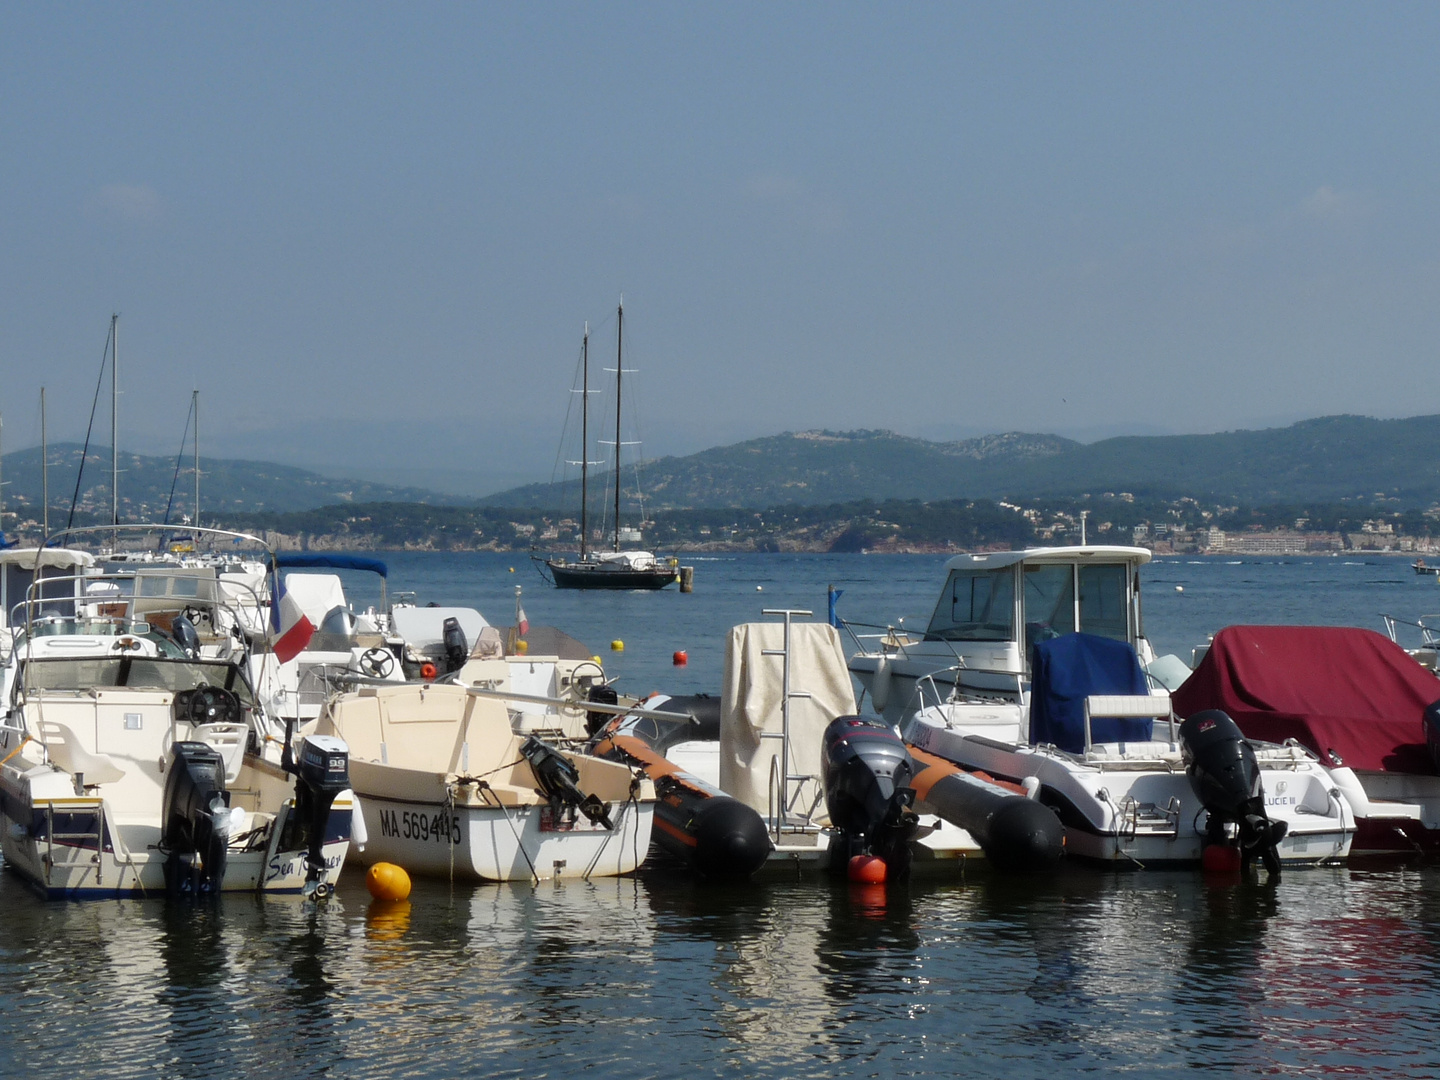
[(1331, 688)]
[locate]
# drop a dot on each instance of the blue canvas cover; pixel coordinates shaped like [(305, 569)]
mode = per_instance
[(1067, 670), (328, 560)]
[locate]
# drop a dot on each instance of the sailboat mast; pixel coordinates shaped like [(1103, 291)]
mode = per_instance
[(195, 404), (619, 372), (584, 439), (44, 472), (114, 425)]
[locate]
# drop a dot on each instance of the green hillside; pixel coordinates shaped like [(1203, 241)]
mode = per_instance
[(145, 485), (806, 468), (1330, 459)]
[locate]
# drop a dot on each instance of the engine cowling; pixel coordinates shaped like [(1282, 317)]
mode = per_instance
[(1225, 775)]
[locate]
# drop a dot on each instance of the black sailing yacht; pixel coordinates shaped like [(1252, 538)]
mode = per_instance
[(614, 569)]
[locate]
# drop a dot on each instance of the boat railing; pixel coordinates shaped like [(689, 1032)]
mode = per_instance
[(1429, 631), (927, 687)]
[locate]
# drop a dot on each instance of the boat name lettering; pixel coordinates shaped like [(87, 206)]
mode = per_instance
[(417, 825), (281, 867), (1281, 800)]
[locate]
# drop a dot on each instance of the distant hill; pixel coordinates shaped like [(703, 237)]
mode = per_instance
[(226, 486), (1327, 459), (806, 468)]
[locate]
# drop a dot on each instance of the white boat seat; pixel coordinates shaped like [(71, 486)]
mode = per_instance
[(67, 752), (228, 740)]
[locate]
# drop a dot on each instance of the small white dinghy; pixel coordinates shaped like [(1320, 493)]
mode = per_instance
[(448, 789)]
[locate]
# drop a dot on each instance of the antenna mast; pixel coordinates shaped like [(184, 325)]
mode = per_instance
[(584, 440), (195, 404), (619, 370), (114, 427), (44, 472)]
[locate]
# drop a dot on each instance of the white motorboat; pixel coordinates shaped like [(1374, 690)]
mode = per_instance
[(132, 764), (448, 789), (1005, 628), (992, 610)]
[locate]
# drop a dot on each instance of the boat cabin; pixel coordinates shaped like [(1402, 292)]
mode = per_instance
[(996, 606)]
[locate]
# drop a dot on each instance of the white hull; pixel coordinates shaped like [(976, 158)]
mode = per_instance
[(1141, 811), (513, 843), (57, 847)]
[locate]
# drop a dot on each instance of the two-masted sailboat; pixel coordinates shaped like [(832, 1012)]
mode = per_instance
[(614, 569)]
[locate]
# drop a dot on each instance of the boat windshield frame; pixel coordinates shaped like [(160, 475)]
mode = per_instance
[(121, 671), (1096, 595)]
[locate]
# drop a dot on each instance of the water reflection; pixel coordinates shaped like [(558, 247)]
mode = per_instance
[(1327, 971)]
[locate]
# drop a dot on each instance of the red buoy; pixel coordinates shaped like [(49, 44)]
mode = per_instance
[(867, 870), (428, 671), (681, 658), (1220, 859)]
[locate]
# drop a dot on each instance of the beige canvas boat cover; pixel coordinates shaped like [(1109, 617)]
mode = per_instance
[(49, 558), (750, 704)]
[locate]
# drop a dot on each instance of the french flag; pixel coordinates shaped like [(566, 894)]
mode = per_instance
[(293, 630)]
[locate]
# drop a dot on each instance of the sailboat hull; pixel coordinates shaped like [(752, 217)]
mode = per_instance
[(587, 575)]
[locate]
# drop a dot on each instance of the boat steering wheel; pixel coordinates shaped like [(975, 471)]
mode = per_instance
[(212, 705), (377, 662)]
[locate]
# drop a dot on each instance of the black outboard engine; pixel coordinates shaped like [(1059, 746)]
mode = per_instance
[(185, 635), (1432, 733), (559, 781), (1225, 775), (866, 771), (195, 820), (457, 649), (322, 771), (600, 695)]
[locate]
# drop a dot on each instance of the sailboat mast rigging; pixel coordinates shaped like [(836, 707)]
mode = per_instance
[(619, 374)]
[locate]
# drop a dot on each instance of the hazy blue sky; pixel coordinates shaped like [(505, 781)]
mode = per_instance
[(371, 235)]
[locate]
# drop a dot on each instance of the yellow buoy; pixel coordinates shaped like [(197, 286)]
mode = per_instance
[(386, 881), (617, 645), (595, 659), (512, 569), (522, 647), (387, 920)]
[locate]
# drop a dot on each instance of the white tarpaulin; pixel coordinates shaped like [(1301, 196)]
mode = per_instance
[(750, 704)]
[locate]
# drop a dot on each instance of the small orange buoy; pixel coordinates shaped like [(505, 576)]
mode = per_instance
[(428, 670), (867, 870), (386, 881), (1220, 859), (869, 900), (681, 658)]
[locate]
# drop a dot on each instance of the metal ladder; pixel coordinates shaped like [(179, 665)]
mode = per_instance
[(82, 855), (780, 784)]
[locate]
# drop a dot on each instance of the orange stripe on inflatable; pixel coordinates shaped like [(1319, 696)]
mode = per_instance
[(937, 768), (679, 834)]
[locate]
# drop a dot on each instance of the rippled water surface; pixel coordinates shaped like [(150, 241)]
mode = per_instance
[(1328, 972)]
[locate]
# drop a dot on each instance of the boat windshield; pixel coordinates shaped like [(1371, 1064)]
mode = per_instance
[(977, 605), (134, 673), (1050, 608)]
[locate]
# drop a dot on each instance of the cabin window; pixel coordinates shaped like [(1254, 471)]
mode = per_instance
[(1103, 610), (977, 605), (1049, 602)]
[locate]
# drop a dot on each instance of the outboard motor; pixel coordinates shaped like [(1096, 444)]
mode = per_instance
[(322, 771), (1432, 733), (866, 771), (600, 694), (559, 781), (457, 649), (186, 636), (195, 820), (1225, 775)]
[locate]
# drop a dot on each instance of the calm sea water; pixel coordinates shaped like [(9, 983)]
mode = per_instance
[(1329, 972)]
